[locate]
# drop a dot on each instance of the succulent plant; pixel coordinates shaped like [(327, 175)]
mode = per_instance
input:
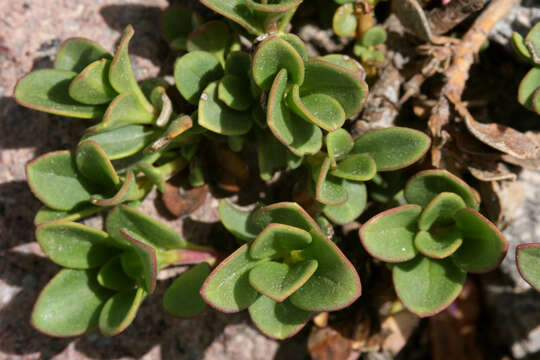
[(528, 263), (338, 176), (286, 270), (107, 275), (528, 49), (434, 241)]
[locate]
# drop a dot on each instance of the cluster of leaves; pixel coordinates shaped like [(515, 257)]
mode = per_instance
[(354, 18), (434, 241), (528, 49), (107, 275)]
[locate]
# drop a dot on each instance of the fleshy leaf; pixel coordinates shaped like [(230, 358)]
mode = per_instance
[(119, 311), (153, 175), (128, 191), (389, 236), (235, 93), (55, 181), (335, 285), (147, 257), (528, 263), (344, 22), (427, 286), (215, 116), (393, 148), (296, 43), (75, 245), (352, 208), (338, 144), (423, 187), (286, 213), (238, 63), (484, 246), (528, 87), (153, 231), (277, 320), (438, 243), (227, 288), (121, 74), (124, 141), (345, 86), (328, 189), (276, 239), (519, 46), (70, 304), (320, 109), (77, 53), (112, 276), (94, 164), (183, 298), (46, 214), (279, 280), (441, 210), (92, 86), (273, 55), (125, 109), (298, 135), (347, 62), (48, 90), (237, 221), (271, 154), (177, 23), (533, 37), (237, 11), (213, 37), (358, 167), (375, 35)]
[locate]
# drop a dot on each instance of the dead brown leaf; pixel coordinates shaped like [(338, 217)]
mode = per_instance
[(182, 200)]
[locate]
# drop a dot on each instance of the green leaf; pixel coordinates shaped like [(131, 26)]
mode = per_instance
[(277, 320), (55, 181), (271, 154), (438, 243), (335, 285), (484, 246), (77, 53), (124, 141), (215, 116), (427, 286), (374, 36), (344, 22), (338, 144), (234, 92), (112, 276), (177, 23), (299, 136), (320, 109), (74, 245), (423, 187), (296, 43), (528, 87), (352, 208), (147, 257), (183, 298), (227, 288), (393, 148), (121, 74), (238, 64), (286, 213), (272, 56), (237, 221), (279, 280), (345, 86), (519, 46), (128, 191), (328, 189), (70, 304), (237, 11), (441, 210), (94, 164), (119, 311), (345, 61), (358, 167), (389, 236), (48, 90), (277, 239), (213, 37), (125, 109), (92, 85), (46, 214), (153, 231), (528, 263), (533, 37), (152, 174)]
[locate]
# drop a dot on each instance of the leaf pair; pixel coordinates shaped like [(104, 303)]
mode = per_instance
[(288, 270), (528, 49), (339, 177), (434, 241)]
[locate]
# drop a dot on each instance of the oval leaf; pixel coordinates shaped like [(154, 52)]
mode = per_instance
[(286, 213), (234, 92), (147, 257), (94, 164), (92, 85), (338, 144), (119, 311), (352, 208), (112, 276), (183, 298), (439, 243), (125, 109), (213, 37), (77, 53), (237, 221), (441, 210), (528, 262), (237, 11), (359, 167), (328, 188), (528, 87), (278, 238), (177, 22), (124, 141), (344, 22)]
